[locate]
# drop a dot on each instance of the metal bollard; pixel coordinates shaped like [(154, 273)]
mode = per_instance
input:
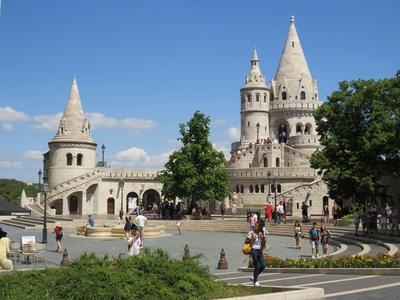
[(222, 263)]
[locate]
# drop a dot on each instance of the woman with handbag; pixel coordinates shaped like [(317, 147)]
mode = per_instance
[(257, 240)]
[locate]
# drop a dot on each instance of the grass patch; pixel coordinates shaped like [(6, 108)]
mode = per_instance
[(153, 275)]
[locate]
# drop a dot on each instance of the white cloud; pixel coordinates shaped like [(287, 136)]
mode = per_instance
[(47, 122), (138, 157), (234, 133), (219, 122), (10, 115), (32, 155), (7, 127), (10, 164), (98, 120)]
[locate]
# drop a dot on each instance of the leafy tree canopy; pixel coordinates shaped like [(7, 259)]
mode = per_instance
[(11, 189), (359, 127), (196, 171)]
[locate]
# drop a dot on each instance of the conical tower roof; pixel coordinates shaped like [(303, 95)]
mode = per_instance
[(255, 78), (293, 64), (73, 125)]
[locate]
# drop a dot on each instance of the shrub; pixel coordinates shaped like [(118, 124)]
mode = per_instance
[(153, 275)]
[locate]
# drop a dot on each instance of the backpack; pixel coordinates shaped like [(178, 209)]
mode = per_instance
[(314, 234)]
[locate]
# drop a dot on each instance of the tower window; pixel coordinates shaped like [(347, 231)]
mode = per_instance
[(258, 98), (265, 160), (251, 189), (303, 95), (237, 188), (248, 123), (242, 189), (292, 44), (249, 98), (257, 189), (316, 96), (284, 96), (262, 188), (69, 159), (79, 159), (277, 162)]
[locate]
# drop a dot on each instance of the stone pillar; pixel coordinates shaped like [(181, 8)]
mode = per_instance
[(83, 203), (65, 210)]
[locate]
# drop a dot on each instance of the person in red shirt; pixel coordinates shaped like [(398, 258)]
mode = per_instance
[(268, 212)]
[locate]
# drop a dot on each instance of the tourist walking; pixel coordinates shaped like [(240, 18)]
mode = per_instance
[(234, 208), (258, 242), (127, 227), (268, 211), (223, 208), (58, 234), (253, 220), (336, 213), (134, 243), (325, 235), (356, 219), (178, 227), (297, 234), (314, 240), (140, 221), (325, 213), (280, 210)]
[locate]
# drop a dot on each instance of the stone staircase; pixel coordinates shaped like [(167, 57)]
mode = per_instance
[(32, 221)]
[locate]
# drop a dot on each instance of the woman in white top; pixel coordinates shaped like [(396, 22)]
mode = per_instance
[(134, 243), (257, 239)]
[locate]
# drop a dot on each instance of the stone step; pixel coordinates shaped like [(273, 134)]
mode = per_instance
[(8, 223)]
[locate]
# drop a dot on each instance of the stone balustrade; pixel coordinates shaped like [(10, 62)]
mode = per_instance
[(276, 172)]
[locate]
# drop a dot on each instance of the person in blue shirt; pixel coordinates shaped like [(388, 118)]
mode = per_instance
[(314, 240), (89, 224)]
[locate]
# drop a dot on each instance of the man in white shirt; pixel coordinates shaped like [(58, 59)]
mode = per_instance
[(140, 221), (280, 212)]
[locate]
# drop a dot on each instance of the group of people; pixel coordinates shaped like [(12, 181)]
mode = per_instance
[(374, 219), (316, 237), (280, 212)]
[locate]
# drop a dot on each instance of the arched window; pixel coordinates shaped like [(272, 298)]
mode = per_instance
[(265, 160), (284, 96), (257, 189), (316, 97), (265, 97), (237, 188), (277, 162), (278, 188), (303, 95), (79, 159), (248, 123), (251, 188), (248, 98), (307, 130), (242, 189), (299, 129), (258, 98), (69, 159), (262, 188)]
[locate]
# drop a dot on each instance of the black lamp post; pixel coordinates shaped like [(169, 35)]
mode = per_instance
[(269, 182), (276, 213), (44, 189), (140, 195), (103, 148), (258, 133), (121, 186)]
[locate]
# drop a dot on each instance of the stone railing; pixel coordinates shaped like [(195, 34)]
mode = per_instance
[(275, 172), (294, 105), (130, 174), (306, 139)]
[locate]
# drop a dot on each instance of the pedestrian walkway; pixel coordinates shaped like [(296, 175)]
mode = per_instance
[(336, 286)]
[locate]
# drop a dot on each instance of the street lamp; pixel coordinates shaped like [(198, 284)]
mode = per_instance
[(103, 148), (140, 195), (121, 186), (258, 133), (44, 189), (276, 213), (269, 182)]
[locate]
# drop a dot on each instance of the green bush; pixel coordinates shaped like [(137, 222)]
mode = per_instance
[(153, 275)]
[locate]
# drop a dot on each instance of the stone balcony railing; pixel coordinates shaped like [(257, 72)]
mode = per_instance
[(288, 172)]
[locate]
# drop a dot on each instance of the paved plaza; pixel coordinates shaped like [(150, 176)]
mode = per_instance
[(209, 244)]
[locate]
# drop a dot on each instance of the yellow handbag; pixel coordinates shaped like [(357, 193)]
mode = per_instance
[(246, 249)]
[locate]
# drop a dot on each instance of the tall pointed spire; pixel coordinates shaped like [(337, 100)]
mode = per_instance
[(255, 77), (73, 124), (293, 80), (293, 64)]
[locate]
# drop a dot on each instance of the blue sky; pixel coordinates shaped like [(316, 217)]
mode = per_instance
[(159, 61)]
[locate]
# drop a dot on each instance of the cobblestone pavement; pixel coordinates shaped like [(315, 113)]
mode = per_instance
[(341, 287)]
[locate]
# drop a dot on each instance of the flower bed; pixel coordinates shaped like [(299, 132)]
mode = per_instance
[(381, 260)]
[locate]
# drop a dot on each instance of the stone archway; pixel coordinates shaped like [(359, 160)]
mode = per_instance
[(57, 205), (149, 197), (132, 200), (74, 202)]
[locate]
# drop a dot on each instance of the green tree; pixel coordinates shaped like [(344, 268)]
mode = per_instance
[(359, 127), (196, 171), (11, 189)]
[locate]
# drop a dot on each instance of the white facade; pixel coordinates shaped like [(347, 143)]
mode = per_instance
[(76, 185), (278, 135)]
